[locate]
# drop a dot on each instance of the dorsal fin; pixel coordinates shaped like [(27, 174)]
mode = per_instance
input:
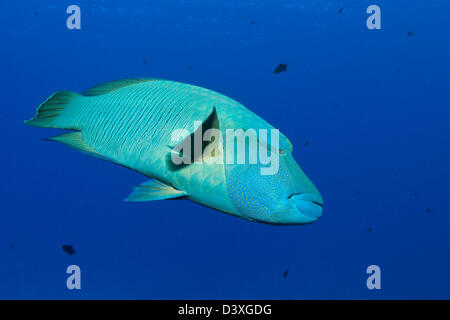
[(107, 87)]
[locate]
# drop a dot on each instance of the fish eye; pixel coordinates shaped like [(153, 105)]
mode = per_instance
[(281, 151)]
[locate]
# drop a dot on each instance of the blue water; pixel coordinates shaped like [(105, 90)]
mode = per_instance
[(374, 106)]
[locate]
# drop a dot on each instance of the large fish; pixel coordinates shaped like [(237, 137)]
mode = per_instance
[(132, 123)]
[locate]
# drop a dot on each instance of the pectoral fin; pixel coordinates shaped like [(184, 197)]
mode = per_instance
[(154, 190), (186, 149)]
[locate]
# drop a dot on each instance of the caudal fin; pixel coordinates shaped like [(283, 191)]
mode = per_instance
[(49, 113)]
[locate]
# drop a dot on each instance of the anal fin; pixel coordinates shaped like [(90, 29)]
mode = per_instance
[(154, 190)]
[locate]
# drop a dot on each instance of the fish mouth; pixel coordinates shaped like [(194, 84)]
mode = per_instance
[(310, 205)]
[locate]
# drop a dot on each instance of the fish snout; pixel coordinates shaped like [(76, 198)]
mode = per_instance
[(308, 204)]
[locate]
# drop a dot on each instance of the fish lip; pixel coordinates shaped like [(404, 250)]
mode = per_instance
[(314, 198), (309, 205)]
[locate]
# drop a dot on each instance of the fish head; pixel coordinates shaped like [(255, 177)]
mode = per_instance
[(284, 196)]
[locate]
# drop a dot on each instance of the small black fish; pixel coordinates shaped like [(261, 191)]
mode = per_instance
[(428, 210), (306, 143), (369, 229), (336, 106), (399, 70), (12, 246), (281, 67), (36, 13), (252, 22), (410, 33), (69, 249), (189, 67), (340, 10), (145, 61), (285, 274), (357, 193)]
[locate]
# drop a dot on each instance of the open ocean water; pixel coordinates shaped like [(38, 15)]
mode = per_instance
[(368, 113)]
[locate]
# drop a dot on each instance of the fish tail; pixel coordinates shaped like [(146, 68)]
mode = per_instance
[(57, 111)]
